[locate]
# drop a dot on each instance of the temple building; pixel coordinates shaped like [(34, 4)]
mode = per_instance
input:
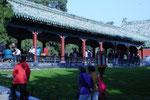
[(38, 22), (140, 28)]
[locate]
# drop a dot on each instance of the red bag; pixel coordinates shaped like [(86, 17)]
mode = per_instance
[(101, 86)]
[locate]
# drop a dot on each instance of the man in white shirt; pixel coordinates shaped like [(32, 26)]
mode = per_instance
[(16, 54), (32, 51)]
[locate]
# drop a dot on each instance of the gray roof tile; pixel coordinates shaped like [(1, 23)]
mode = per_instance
[(37, 12)]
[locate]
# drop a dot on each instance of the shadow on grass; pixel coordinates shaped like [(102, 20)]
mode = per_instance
[(5, 81), (59, 85), (62, 84), (127, 83)]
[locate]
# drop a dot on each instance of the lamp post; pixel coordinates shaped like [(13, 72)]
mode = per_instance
[(101, 62)]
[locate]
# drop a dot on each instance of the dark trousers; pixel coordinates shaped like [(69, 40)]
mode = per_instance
[(23, 92)]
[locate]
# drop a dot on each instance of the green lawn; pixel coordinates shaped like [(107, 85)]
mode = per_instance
[(122, 83)]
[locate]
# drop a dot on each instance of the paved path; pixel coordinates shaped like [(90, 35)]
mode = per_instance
[(5, 92)]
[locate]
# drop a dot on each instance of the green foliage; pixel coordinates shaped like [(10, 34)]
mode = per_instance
[(71, 48), (108, 51), (6, 14), (54, 48), (58, 4), (12, 40), (89, 48), (27, 43), (3, 37)]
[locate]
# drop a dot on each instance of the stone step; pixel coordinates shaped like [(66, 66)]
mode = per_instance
[(5, 93)]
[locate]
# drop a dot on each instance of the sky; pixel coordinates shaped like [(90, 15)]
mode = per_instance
[(111, 10)]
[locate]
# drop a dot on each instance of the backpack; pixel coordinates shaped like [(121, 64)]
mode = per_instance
[(101, 86)]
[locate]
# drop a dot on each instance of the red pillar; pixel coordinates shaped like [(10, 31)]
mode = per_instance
[(142, 53), (100, 46), (83, 48), (35, 44), (62, 49)]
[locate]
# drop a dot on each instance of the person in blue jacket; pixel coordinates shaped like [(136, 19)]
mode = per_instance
[(38, 50), (86, 84), (7, 54)]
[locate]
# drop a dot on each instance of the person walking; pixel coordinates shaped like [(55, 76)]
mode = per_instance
[(86, 84), (20, 79), (95, 92)]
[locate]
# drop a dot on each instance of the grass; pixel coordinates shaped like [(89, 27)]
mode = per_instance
[(129, 83)]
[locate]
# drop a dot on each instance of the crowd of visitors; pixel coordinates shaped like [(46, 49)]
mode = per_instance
[(7, 54), (11, 55), (75, 53), (123, 58), (90, 86)]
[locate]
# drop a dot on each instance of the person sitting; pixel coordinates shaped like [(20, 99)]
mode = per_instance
[(89, 53), (46, 51), (13, 47), (7, 54), (2, 48), (38, 50), (75, 53), (32, 51), (16, 53)]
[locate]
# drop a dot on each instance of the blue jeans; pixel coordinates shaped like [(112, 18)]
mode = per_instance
[(85, 97), (95, 96)]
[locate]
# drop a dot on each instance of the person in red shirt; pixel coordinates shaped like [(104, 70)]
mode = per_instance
[(27, 68), (20, 79), (46, 51)]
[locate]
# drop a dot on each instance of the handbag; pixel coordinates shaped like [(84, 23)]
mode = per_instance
[(101, 86)]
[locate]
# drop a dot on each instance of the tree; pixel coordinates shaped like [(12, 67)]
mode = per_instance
[(54, 48), (58, 4), (70, 48), (27, 43), (6, 14)]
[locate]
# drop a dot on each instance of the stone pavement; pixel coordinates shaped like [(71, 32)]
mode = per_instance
[(5, 92)]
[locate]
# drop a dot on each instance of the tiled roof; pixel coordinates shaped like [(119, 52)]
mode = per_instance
[(140, 28), (50, 16)]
